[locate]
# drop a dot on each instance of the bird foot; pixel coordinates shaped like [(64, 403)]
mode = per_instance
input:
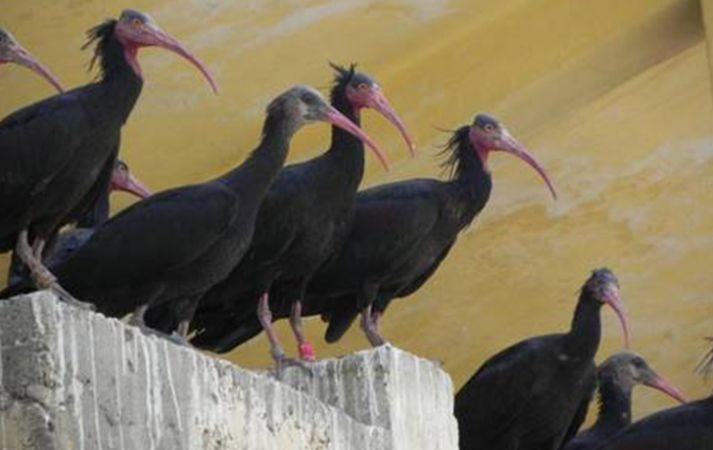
[(138, 322), (179, 339), (44, 279), (307, 352), (283, 362), (148, 331), (67, 298)]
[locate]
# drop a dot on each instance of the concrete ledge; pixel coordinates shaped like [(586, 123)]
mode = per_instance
[(77, 380)]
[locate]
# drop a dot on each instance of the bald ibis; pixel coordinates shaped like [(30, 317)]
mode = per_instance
[(67, 242), (685, 427), (58, 154), (302, 222), (399, 235), (403, 231), (12, 52), (534, 394), (177, 244), (616, 379)]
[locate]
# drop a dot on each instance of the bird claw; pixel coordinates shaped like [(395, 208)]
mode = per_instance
[(284, 362), (148, 331), (178, 339), (67, 298)]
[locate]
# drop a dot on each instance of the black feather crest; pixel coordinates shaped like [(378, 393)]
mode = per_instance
[(103, 36), (458, 153), (343, 74)]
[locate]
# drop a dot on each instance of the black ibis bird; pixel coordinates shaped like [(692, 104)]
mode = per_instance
[(402, 231), (303, 220), (177, 244), (399, 235), (67, 242), (58, 154), (616, 378), (12, 52), (534, 394), (685, 427)]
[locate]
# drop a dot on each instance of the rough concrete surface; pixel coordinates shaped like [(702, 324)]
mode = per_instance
[(72, 379)]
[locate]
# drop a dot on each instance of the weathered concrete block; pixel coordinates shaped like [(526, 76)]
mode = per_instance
[(77, 380), (387, 387)]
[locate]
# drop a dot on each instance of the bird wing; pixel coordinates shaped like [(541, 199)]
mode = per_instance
[(498, 393), (152, 237), (416, 283), (36, 142), (389, 222), (581, 413), (274, 227), (342, 318)]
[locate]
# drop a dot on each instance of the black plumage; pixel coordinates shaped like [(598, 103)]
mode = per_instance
[(177, 244), (616, 379), (302, 222), (69, 241), (534, 394), (403, 231), (685, 427), (400, 233), (58, 154)]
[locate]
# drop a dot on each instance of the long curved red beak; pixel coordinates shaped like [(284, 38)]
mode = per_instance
[(378, 101), (340, 120), (162, 39), (24, 58), (512, 146), (132, 185), (660, 383), (612, 298)]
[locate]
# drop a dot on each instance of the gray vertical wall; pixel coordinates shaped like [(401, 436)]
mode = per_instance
[(77, 380)]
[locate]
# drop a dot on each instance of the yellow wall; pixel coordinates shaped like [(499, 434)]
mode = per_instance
[(613, 97)]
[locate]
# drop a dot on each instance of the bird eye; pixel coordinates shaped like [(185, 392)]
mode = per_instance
[(489, 127), (363, 86), (137, 23)]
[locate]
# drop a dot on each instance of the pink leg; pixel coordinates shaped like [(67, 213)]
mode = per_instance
[(370, 328), (265, 316), (38, 247), (376, 318), (305, 348), (278, 354)]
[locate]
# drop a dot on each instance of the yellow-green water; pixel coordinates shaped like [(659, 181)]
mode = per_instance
[(613, 97)]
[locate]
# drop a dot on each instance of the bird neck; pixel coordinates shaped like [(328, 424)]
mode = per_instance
[(346, 152), (260, 168), (470, 179), (614, 404), (119, 83), (584, 336)]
